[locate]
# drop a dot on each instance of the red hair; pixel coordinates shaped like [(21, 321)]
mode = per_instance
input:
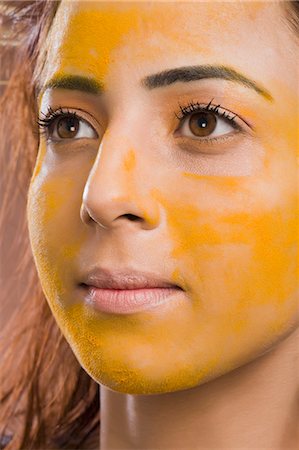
[(47, 399)]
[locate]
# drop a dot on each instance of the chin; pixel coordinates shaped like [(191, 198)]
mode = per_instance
[(120, 378)]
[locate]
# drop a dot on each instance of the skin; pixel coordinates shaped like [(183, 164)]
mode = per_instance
[(217, 218)]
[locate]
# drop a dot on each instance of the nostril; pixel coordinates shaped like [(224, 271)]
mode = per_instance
[(132, 217)]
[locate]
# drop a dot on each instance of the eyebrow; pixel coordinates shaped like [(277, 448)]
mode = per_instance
[(162, 79), (74, 83), (195, 73)]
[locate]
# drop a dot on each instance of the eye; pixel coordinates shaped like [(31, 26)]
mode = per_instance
[(61, 125), (206, 124), (71, 127)]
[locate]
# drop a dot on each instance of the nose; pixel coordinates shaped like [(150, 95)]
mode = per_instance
[(117, 192)]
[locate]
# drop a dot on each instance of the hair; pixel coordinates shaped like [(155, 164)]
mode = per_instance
[(47, 399)]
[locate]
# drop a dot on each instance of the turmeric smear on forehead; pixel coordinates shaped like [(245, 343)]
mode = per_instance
[(90, 38), (82, 48)]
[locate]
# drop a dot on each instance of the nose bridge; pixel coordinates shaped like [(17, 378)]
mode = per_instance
[(114, 192)]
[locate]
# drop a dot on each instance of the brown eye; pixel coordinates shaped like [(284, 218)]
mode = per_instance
[(67, 127), (205, 125), (202, 124)]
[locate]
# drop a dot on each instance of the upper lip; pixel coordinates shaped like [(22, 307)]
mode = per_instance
[(126, 279)]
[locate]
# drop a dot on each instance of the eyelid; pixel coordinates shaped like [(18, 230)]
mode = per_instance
[(217, 109), (210, 145), (54, 114)]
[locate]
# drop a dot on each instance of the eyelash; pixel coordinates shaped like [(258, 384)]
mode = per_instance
[(193, 107), (45, 122)]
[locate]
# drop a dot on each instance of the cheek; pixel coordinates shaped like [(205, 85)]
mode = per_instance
[(55, 233), (236, 250)]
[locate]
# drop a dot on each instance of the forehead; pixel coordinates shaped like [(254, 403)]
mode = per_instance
[(91, 37)]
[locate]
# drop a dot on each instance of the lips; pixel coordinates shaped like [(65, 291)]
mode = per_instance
[(106, 279), (126, 292)]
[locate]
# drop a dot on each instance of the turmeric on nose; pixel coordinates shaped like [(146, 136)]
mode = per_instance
[(130, 161)]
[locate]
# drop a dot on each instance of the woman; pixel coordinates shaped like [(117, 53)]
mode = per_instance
[(162, 214)]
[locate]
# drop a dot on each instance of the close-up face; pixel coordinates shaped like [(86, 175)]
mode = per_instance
[(168, 148)]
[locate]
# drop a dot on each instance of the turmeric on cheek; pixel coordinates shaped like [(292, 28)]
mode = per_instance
[(230, 211), (230, 237), (235, 253), (240, 275)]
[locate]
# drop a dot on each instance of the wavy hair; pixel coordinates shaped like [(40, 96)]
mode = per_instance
[(47, 399)]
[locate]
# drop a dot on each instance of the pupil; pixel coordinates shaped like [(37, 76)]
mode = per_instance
[(202, 124), (68, 127)]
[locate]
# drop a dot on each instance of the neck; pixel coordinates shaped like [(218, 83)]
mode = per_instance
[(254, 406)]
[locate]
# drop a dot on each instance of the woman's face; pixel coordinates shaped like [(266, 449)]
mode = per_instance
[(203, 158)]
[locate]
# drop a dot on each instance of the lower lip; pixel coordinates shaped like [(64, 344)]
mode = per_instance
[(127, 301)]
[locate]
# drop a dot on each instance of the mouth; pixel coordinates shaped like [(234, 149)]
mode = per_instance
[(126, 292)]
